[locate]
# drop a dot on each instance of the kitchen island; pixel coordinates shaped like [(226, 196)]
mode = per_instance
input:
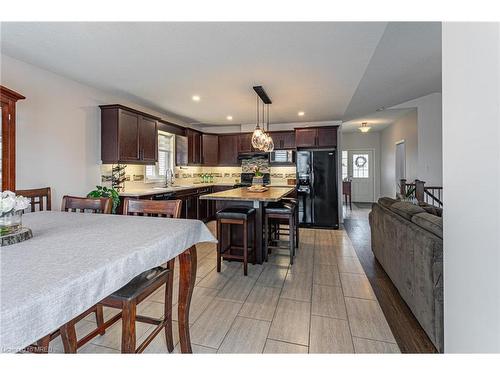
[(242, 196)]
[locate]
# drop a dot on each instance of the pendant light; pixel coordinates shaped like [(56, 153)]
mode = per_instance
[(258, 134), (260, 139)]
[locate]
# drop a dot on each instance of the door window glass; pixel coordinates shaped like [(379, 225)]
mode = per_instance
[(360, 166)]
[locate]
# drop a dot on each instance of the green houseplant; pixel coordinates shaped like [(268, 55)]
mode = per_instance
[(104, 192)]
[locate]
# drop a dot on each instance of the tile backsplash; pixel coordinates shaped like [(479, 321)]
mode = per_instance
[(135, 175)]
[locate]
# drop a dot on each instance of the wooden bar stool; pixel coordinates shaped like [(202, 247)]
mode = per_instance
[(279, 212), (276, 228), (235, 216)]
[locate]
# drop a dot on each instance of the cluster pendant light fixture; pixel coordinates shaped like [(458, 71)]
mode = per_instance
[(260, 139)]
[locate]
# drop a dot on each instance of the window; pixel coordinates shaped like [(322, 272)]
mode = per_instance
[(345, 167), (400, 161), (360, 166), (165, 157)]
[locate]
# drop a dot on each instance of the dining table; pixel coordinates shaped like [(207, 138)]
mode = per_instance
[(258, 200), (74, 260)]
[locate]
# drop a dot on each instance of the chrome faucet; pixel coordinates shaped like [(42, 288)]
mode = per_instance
[(169, 177)]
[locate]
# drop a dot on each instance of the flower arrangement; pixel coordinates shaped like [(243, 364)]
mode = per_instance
[(11, 209), (256, 171)]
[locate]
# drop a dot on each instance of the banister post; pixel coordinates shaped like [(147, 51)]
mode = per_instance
[(402, 187), (419, 190)]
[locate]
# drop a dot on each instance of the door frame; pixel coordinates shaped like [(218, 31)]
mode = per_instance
[(8, 100), (373, 166)]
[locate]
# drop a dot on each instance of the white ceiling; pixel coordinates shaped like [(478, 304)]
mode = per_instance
[(331, 70), (377, 121)]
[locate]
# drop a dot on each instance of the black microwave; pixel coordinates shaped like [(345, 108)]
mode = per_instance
[(282, 157)]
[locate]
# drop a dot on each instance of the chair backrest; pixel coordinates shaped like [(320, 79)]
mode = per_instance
[(36, 197), (145, 207), (95, 205)]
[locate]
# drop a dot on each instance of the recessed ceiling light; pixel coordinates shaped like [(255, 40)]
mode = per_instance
[(301, 113), (196, 98), (229, 118)]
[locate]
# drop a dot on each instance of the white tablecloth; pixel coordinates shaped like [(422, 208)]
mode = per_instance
[(74, 260)]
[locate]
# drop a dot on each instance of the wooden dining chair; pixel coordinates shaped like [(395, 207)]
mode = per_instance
[(79, 204), (142, 286), (37, 198), (74, 204)]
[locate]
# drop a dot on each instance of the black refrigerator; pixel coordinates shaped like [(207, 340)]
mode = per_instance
[(317, 190)]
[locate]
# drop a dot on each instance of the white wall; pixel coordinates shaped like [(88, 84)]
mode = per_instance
[(365, 141), (58, 139), (405, 129), (471, 144), (430, 139)]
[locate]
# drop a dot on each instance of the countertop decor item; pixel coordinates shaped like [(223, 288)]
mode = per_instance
[(258, 179), (257, 189), (11, 211)]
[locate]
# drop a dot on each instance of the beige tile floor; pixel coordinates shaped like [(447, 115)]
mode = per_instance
[(322, 304)]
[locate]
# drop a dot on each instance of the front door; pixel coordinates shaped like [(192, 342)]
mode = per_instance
[(360, 170)]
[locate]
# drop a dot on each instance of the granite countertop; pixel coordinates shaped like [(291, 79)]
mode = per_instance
[(273, 194), (160, 190)]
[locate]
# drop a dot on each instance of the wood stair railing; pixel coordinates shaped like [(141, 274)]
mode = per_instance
[(432, 195)]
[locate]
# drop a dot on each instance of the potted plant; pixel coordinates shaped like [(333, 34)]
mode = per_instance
[(258, 179), (104, 192), (11, 211)]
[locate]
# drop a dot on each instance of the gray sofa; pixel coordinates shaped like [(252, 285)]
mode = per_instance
[(407, 240)]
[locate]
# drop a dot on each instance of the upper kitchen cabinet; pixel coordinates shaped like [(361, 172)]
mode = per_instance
[(194, 139), (316, 137), (210, 149), (181, 150), (128, 136), (283, 140), (228, 149), (245, 142)]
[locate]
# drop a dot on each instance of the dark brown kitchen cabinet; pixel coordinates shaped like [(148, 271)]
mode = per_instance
[(194, 147), (128, 136), (228, 149), (316, 137), (148, 140), (327, 136), (245, 142), (181, 150), (283, 140), (210, 149), (306, 137)]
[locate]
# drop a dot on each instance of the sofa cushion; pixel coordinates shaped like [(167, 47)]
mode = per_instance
[(406, 209), (433, 210), (386, 202), (432, 223)]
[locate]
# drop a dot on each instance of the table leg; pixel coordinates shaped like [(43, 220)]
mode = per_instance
[(68, 336), (259, 212), (187, 277)]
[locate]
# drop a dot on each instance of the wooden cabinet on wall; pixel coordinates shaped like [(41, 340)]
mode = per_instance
[(194, 147), (283, 140), (228, 149), (316, 137), (128, 136), (210, 149), (181, 150), (245, 142)]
